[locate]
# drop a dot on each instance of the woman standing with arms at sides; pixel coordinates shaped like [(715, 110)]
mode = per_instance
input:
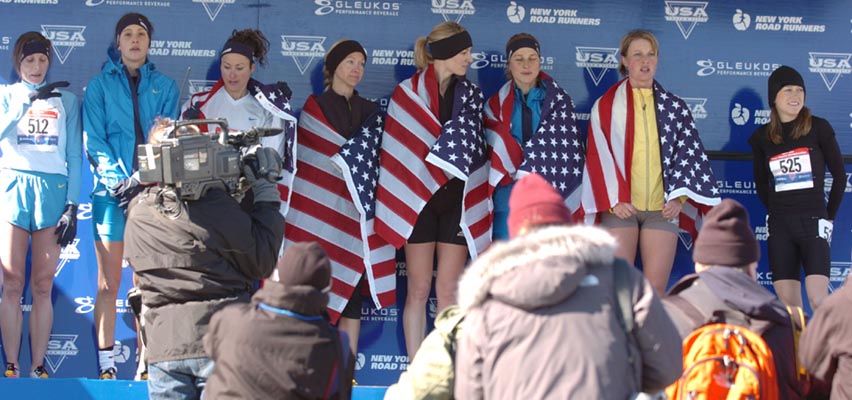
[(40, 172), (119, 107), (791, 154), (326, 204), (245, 102), (433, 195), (530, 115), (646, 172)]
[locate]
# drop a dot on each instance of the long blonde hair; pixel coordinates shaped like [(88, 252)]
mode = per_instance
[(422, 58)]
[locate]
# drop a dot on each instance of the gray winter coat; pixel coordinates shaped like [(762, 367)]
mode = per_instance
[(541, 323)]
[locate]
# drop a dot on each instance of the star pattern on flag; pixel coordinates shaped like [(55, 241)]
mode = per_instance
[(555, 152), (361, 155), (683, 153), (279, 95), (461, 142)]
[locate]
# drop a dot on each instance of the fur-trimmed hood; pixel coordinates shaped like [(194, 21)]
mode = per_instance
[(539, 269)]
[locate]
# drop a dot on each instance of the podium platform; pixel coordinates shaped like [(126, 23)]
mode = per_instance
[(91, 389)]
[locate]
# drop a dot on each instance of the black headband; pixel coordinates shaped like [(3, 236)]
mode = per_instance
[(448, 47), (520, 43), (133, 19), (34, 47), (233, 46), (339, 53)]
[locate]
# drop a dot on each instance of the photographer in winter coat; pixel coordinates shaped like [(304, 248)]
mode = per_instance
[(193, 258), (282, 344)]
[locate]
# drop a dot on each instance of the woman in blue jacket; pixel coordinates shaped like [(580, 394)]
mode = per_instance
[(119, 107), (40, 139)]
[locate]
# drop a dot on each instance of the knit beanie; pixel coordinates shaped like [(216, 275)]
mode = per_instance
[(304, 264), (726, 237), (535, 202), (781, 77)]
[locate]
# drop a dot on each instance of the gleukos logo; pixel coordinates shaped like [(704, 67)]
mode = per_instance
[(213, 6), (303, 49), (69, 253), (369, 8), (734, 68), (741, 20), (480, 60), (515, 12), (453, 8), (597, 61), (64, 38), (830, 66), (131, 3), (686, 14), (58, 347), (696, 106), (739, 114)]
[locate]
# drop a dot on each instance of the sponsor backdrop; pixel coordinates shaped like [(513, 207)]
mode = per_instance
[(717, 55)]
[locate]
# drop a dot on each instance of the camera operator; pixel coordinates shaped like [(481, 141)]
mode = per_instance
[(193, 258)]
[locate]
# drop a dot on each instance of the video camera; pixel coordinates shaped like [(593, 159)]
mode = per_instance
[(193, 162)]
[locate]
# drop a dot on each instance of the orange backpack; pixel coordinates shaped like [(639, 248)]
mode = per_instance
[(725, 361)]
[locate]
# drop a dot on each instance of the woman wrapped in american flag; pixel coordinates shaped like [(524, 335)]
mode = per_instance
[(646, 174), (333, 194), (531, 127), (433, 185)]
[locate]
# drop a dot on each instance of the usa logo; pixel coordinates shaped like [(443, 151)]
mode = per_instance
[(64, 38), (686, 14), (59, 347), (597, 61), (450, 8), (696, 106), (303, 49), (213, 6), (200, 85), (69, 253), (830, 66)]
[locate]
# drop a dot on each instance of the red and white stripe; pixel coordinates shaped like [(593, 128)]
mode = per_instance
[(506, 153), (407, 181), (322, 210)]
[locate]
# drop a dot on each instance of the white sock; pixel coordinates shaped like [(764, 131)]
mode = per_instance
[(106, 359)]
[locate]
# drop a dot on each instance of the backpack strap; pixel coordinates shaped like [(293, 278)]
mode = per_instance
[(623, 294), (691, 312)]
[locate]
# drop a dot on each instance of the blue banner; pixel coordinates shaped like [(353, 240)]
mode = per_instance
[(716, 55)]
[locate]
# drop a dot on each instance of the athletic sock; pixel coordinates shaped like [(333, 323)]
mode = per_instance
[(105, 358)]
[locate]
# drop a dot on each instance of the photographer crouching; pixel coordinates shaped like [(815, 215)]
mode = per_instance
[(194, 249)]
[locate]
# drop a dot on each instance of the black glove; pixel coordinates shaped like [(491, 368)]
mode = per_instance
[(66, 228), (45, 92), (193, 112), (125, 190), (262, 170)]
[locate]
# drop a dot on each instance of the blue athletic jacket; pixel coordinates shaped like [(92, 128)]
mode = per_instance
[(108, 118)]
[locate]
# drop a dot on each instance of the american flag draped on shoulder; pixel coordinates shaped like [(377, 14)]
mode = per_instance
[(418, 155), (332, 204), (555, 151), (686, 168), (275, 98)]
